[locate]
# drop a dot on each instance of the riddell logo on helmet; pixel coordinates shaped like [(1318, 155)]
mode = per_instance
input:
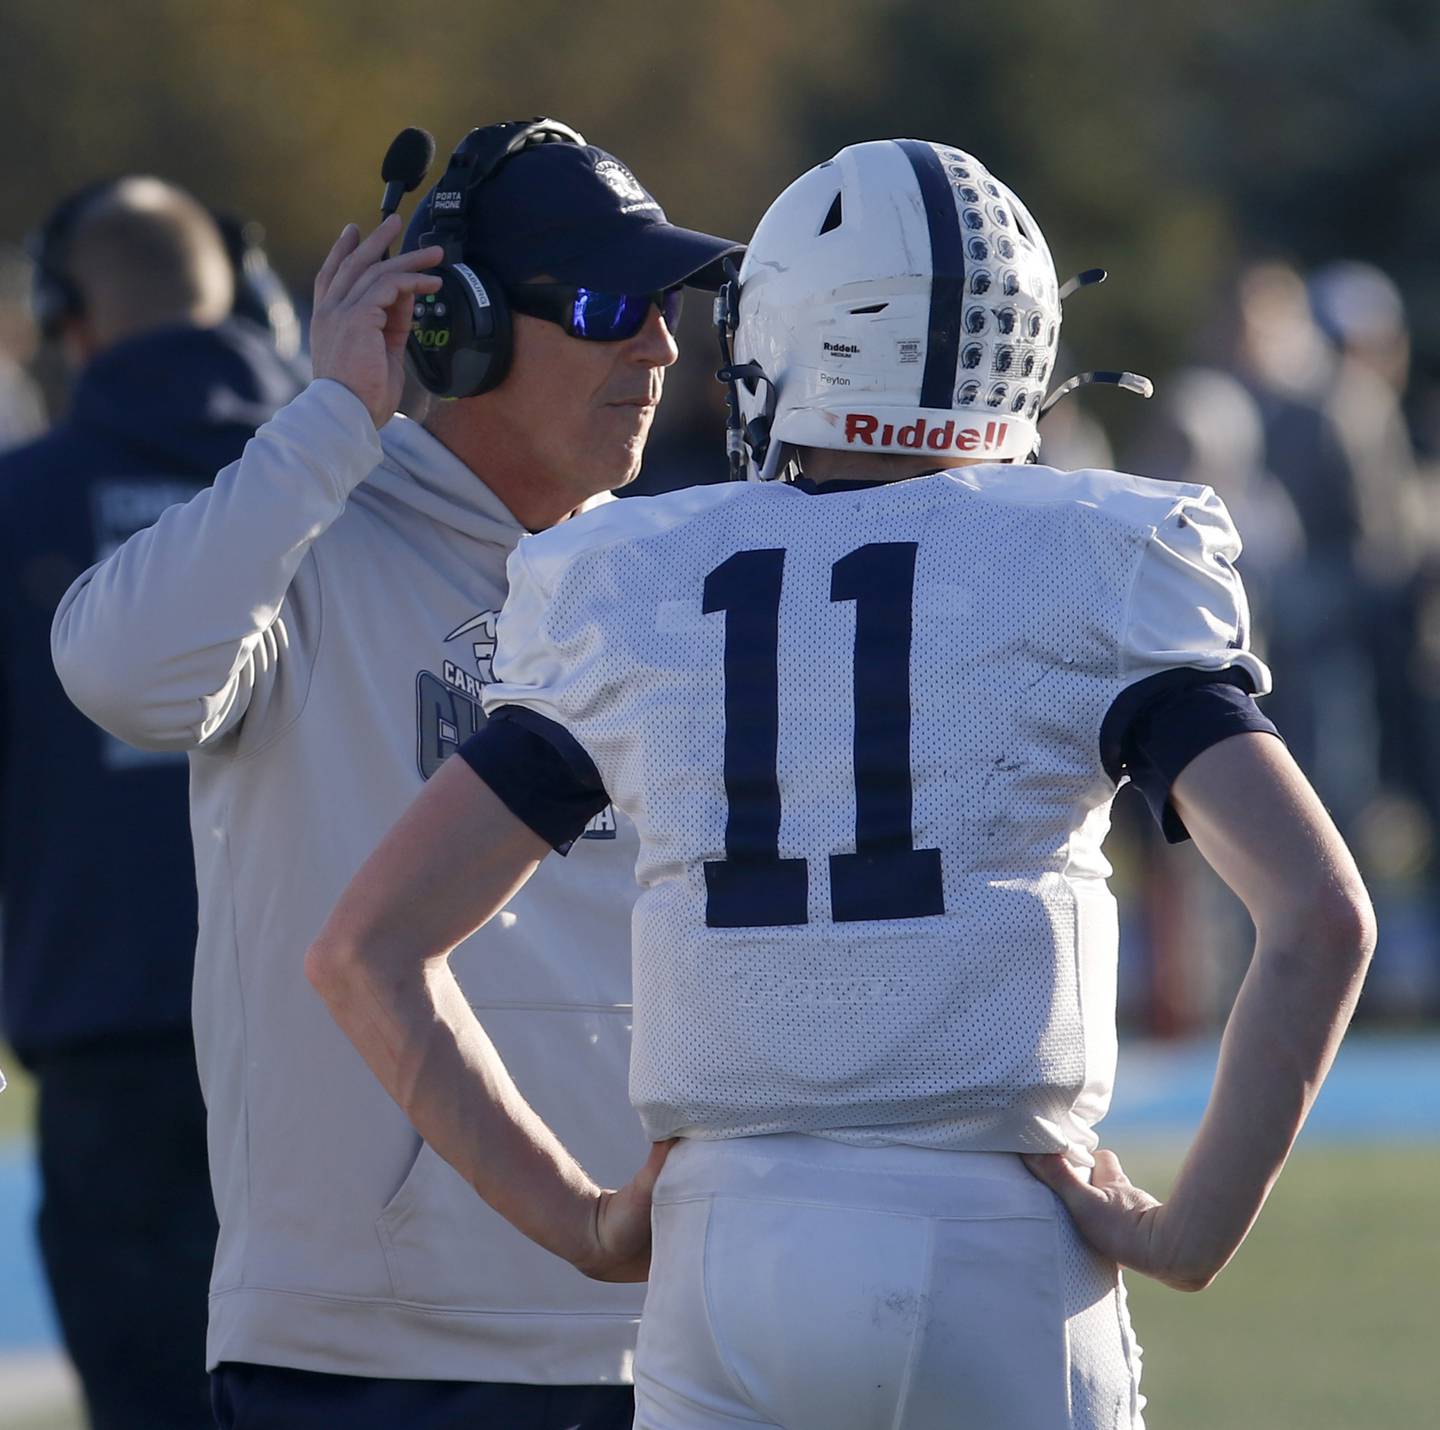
[(868, 431)]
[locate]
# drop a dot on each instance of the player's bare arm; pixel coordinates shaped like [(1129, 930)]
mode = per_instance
[(381, 963), (1260, 825)]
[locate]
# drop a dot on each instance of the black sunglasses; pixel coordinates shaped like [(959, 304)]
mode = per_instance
[(591, 313)]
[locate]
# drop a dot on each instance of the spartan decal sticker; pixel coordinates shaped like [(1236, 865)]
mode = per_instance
[(448, 709)]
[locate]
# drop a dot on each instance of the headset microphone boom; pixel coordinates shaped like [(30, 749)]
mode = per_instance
[(405, 165)]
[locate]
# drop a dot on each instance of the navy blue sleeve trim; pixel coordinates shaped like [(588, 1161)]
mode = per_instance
[(1158, 725), (540, 772)]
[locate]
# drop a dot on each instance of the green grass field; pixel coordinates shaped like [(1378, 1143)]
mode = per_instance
[(1327, 1320), (1328, 1317)]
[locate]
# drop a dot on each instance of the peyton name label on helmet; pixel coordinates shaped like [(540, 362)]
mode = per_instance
[(867, 430)]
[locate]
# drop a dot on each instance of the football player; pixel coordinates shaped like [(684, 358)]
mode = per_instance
[(869, 711)]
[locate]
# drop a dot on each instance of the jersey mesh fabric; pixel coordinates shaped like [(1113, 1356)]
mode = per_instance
[(990, 1025)]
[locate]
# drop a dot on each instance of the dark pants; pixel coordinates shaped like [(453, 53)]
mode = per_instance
[(262, 1397), (127, 1227)]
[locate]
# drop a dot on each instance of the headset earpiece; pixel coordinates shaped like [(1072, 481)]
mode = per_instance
[(56, 296), (461, 338)]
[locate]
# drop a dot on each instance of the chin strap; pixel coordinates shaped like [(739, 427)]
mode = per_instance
[(1134, 382), (755, 434), (1088, 279)]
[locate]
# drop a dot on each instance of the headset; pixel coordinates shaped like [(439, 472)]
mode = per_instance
[(56, 296), (461, 337)]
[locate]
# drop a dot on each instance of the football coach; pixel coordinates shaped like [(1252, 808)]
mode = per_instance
[(315, 629)]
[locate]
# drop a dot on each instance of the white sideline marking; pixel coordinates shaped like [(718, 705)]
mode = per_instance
[(33, 1381)]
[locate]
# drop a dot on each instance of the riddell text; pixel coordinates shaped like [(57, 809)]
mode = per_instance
[(861, 427)]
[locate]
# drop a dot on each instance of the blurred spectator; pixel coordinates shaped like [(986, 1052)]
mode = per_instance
[(1319, 638), (261, 296), (1342, 605), (22, 412), (1283, 359), (1360, 312), (1204, 427), (134, 286)]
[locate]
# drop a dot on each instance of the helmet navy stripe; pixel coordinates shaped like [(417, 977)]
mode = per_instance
[(947, 281)]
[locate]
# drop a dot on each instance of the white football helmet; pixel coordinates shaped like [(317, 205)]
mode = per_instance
[(898, 298)]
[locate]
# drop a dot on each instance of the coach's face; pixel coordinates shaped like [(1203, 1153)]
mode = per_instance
[(582, 410)]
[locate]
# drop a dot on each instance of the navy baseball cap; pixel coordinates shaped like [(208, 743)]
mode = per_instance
[(576, 214)]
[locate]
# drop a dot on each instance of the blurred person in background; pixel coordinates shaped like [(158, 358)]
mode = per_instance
[(261, 296), (1326, 360), (316, 629), (1326, 702), (22, 410), (1204, 427), (1361, 313), (134, 287)]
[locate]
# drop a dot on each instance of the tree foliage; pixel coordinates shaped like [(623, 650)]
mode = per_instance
[(1161, 140)]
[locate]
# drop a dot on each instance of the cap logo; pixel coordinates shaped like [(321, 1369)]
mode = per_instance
[(624, 185), (619, 179)]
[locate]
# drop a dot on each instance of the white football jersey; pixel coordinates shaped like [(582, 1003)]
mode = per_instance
[(859, 734)]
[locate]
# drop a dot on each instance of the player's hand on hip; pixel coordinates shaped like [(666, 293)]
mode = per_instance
[(363, 307), (1120, 1220), (621, 1238)]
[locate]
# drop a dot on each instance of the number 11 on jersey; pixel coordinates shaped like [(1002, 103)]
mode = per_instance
[(886, 877)]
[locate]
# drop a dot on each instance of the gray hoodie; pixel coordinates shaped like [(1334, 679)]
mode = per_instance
[(314, 629)]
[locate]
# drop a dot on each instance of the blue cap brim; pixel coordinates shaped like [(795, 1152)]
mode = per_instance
[(650, 257)]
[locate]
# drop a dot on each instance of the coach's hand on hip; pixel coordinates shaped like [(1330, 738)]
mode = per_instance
[(363, 304)]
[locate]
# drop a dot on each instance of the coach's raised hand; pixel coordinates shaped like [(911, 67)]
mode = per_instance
[(363, 303)]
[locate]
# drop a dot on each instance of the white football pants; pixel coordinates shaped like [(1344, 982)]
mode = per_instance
[(803, 1284)]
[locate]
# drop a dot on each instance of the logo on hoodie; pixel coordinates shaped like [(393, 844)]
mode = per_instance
[(483, 628), (447, 706), (449, 711)]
